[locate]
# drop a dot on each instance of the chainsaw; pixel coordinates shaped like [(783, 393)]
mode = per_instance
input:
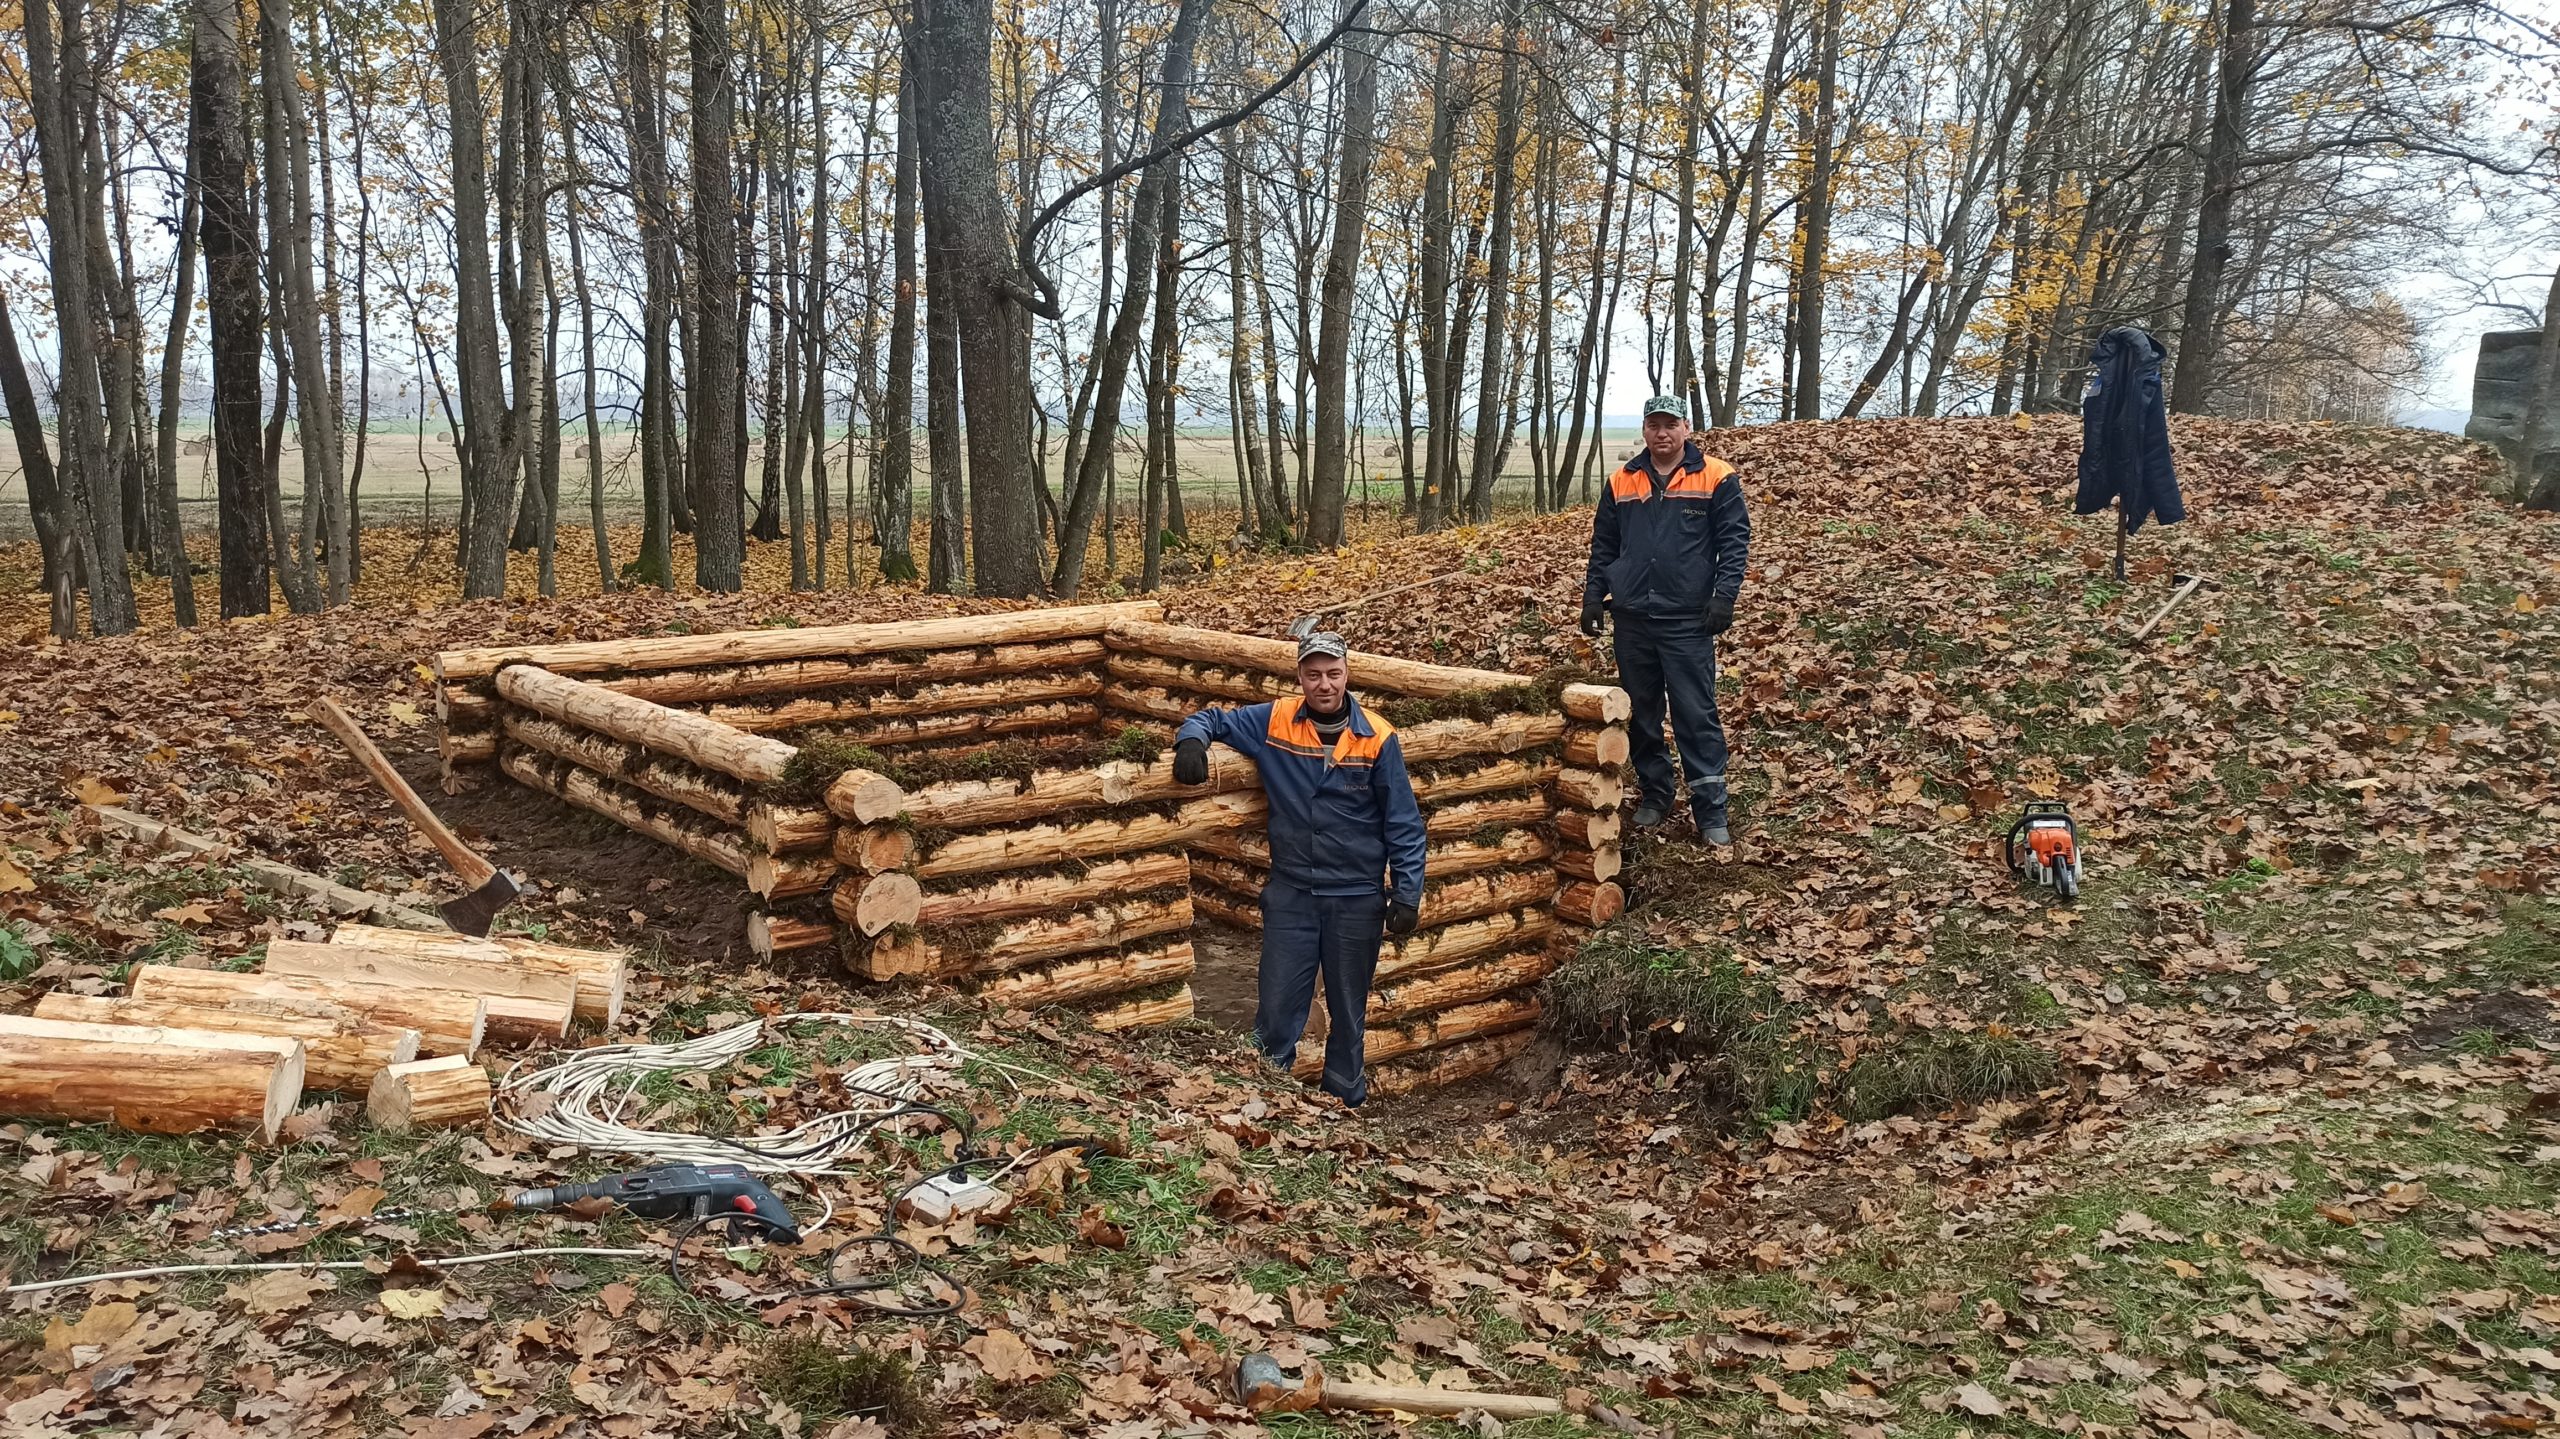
[(2044, 846)]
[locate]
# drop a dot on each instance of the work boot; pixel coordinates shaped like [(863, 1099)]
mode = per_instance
[(1707, 802), (1651, 812), (1715, 832)]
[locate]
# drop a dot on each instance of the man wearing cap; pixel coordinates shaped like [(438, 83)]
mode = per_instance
[(1346, 852), (1668, 548)]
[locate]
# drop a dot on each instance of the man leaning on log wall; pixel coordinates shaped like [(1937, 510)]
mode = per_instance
[(1342, 815)]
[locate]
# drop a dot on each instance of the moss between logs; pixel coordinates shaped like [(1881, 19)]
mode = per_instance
[(1469, 763), (1530, 696), (817, 761), (976, 937)]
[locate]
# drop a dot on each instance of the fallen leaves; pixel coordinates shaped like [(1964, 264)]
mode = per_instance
[(282, 1291), (1006, 1359)]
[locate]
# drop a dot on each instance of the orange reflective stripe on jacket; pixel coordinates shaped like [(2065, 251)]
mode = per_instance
[(1633, 482), (1290, 733)]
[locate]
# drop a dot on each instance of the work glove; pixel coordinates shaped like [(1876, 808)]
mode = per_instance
[(1191, 762), (1401, 918), (1591, 618), (1719, 616)]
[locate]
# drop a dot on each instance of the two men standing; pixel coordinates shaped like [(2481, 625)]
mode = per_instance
[(1668, 548)]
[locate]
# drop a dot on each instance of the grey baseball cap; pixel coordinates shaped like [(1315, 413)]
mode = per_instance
[(1323, 644), (1671, 405)]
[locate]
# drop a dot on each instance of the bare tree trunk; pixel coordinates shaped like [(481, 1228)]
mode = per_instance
[(167, 532), (1584, 353), (1493, 431), (2199, 334), (1256, 514), (1439, 378), (1341, 273), (711, 431), (1160, 357), (486, 466), (813, 314), (232, 303), (289, 229), (573, 200), (661, 482), (893, 473), (54, 528), (1817, 221), (946, 558)]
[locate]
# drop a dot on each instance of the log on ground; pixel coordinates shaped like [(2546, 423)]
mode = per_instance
[(1431, 1031), (1090, 978), (152, 1079), (1586, 903), (442, 1093), (343, 1051), (875, 902), (1017, 896), (688, 736), (1025, 942), (697, 789), (603, 974), (525, 1002), (743, 647), (859, 707), (700, 686), (772, 934), (1173, 1008), (1463, 984), (1440, 1068), (447, 1021)]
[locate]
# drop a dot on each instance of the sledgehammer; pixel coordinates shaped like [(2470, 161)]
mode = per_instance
[(492, 888), (1263, 1388)]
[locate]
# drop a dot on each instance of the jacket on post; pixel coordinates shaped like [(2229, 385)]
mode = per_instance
[(2124, 432), (1662, 554), (1342, 821)]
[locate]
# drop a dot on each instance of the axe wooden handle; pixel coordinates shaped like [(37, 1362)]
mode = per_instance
[(1415, 1399), (470, 868)]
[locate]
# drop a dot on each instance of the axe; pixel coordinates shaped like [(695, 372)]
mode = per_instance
[(492, 889)]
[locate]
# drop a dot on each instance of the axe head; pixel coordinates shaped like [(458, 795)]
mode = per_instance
[(473, 913)]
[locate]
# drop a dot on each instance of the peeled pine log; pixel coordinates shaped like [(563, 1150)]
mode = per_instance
[(1174, 1008), (1249, 686), (1479, 895), (1044, 844), (1597, 704), (744, 647), (460, 708), (1154, 701), (1444, 860), (719, 848), (1586, 903), (687, 736), (862, 797), (1213, 903), (1016, 896), (1449, 988), (1000, 694), (669, 779), (447, 1021), (772, 934), (1590, 788), (1453, 1026), (1090, 978), (602, 974), (1472, 815), (789, 828), (1440, 1068), (697, 686), (1280, 657), (525, 1002), (1587, 829), (1597, 865), (340, 1052), (1236, 878), (1503, 734), (874, 849), (972, 724), (152, 1079), (441, 1093), (874, 902), (784, 876), (1427, 950), (468, 746), (972, 803), (1494, 778), (1028, 941), (1596, 748)]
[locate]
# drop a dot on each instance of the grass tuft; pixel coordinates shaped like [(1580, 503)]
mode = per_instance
[(824, 1382), (1941, 1071)]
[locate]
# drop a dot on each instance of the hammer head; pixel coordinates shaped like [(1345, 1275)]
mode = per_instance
[(473, 913)]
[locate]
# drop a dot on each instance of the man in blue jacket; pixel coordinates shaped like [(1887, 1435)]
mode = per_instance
[(1346, 852), (1668, 548)]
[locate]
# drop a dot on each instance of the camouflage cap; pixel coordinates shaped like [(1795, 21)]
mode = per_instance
[(1323, 644), (1671, 405)]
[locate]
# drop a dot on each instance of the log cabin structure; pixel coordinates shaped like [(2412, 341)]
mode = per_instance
[(988, 801)]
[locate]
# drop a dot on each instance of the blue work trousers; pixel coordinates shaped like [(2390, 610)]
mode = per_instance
[(1673, 661), (1304, 934)]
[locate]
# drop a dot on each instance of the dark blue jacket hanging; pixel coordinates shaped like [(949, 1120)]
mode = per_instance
[(2124, 432)]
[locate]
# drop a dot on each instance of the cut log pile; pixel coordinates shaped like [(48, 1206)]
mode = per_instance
[(191, 1049), (942, 844)]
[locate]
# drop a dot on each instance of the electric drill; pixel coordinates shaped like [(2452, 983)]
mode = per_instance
[(674, 1191)]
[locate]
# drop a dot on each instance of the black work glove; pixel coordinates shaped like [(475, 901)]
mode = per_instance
[(1191, 762), (1401, 918), (1719, 616), (1591, 618)]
